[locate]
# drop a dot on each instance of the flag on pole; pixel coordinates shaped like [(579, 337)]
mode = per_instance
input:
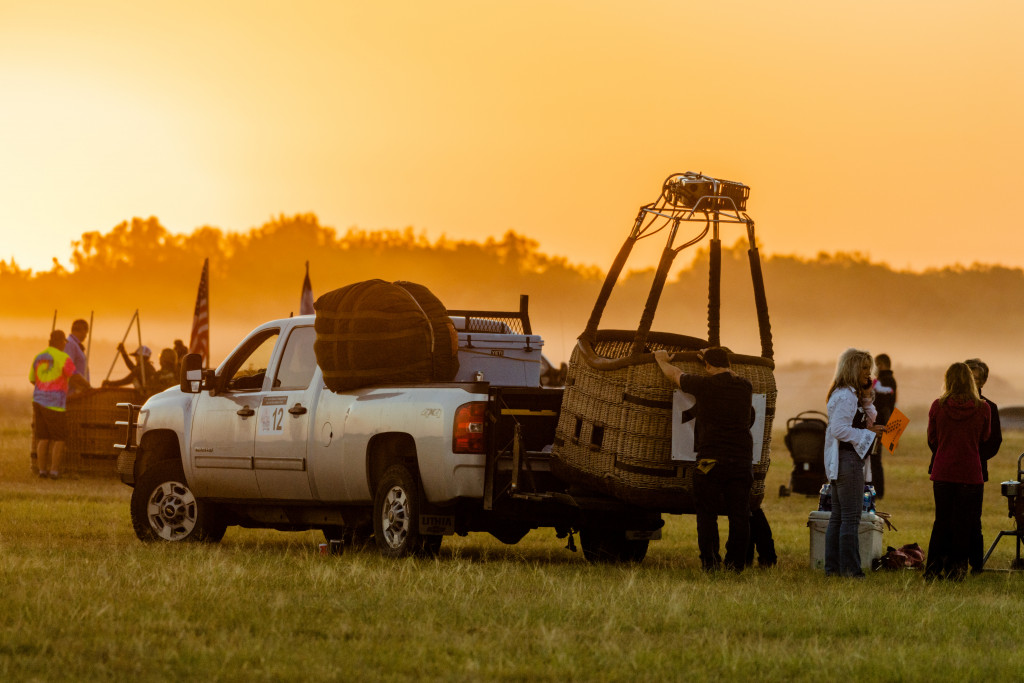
[(199, 342), (306, 303)]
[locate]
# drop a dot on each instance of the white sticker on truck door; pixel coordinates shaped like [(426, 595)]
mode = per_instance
[(272, 413)]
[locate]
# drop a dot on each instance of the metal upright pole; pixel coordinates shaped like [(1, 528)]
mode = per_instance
[(139, 360), (88, 348), (123, 339)]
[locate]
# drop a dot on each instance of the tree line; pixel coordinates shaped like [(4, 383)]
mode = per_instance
[(817, 305)]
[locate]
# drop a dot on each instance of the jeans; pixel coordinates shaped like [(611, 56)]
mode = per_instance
[(842, 537), (725, 489)]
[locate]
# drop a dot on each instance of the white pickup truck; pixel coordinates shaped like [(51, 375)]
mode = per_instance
[(261, 442)]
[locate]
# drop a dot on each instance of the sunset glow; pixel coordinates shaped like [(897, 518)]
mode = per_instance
[(884, 128)]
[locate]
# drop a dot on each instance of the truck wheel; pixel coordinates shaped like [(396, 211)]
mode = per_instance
[(396, 514), (164, 508), (603, 545)]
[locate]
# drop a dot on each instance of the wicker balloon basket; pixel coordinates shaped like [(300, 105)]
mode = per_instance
[(92, 432), (614, 432)]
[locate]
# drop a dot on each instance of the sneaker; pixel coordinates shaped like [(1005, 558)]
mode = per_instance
[(54, 474), (43, 475)]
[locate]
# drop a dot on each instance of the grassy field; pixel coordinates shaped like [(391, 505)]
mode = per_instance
[(82, 599)]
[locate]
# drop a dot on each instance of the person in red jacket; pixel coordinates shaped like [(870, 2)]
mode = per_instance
[(957, 422)]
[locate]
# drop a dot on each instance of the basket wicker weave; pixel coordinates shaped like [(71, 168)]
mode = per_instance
[(614, 432)]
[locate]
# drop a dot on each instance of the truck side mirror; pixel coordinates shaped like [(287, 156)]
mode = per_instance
[(191, 376)]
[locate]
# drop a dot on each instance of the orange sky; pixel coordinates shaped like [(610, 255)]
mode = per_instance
[(889, 128)]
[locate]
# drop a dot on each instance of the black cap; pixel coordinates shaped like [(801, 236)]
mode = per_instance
[(715, 356)]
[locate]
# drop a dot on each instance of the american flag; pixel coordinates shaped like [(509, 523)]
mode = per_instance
[(306, 302), (200, 340)]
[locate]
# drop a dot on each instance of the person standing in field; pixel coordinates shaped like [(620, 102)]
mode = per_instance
[(51, 373), (958, 421), (76, 348), (849, 437), (724, 473), (167, 375), (180, 349), (987, 450), (885, 403)]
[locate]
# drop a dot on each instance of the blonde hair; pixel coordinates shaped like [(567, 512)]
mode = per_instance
[(848, 370), (959, 383)]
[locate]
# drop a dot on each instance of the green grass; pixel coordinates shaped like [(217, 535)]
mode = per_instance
[(82, 599)]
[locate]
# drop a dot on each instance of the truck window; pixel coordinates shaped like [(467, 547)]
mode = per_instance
[(248, 367), (298, 360)]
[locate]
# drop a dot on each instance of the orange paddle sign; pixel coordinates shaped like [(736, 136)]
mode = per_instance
[(893, 429)]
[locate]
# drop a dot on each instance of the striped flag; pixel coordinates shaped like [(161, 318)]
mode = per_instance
[(306, 303), (200, 340)]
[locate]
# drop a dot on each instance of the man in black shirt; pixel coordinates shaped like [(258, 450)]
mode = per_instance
[(723, 476), (986, 449), (885, 403)]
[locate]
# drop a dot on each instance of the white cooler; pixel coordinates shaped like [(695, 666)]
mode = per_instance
[(502, 359), (870, 534)]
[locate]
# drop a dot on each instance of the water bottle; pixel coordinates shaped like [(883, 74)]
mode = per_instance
[(869, 498), (825, 498)]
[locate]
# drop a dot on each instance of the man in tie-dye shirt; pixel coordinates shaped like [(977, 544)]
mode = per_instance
[(51, 372)]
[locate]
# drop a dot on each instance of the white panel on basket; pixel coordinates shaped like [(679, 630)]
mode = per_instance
[(683, 426)]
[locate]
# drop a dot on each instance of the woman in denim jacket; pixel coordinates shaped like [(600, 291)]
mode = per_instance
[(848, 438)]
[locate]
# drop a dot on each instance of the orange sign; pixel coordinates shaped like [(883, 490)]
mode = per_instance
[(893, 429)]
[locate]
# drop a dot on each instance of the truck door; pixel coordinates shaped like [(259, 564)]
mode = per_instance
[(282, 429), (223, 434)]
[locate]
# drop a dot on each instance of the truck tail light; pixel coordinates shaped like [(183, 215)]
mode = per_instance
[(468, 436)]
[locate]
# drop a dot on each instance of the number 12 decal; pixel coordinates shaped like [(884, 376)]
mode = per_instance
[(271, 419)]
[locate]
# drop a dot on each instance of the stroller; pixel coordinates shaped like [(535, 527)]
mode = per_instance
[(805, 439)]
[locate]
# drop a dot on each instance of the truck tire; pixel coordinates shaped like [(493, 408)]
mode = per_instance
[(163, 508), (604, 545), (396, 514)]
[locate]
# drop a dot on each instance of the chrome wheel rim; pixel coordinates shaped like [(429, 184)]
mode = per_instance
[(395, 521), (172, 511)]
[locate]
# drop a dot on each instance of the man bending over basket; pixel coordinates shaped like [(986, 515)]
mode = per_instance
[(723, 476)]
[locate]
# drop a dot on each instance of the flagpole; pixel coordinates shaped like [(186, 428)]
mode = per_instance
[(306, 299), (199, 341)]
